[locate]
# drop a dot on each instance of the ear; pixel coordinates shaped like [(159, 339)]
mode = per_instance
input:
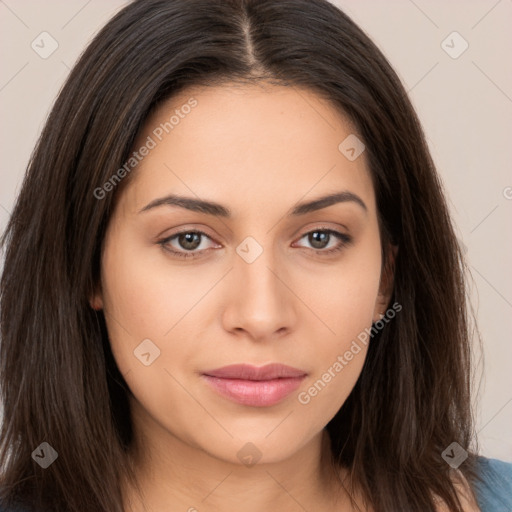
[(96, 301), (386, 286)]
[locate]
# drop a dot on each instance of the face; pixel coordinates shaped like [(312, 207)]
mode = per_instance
[(264, 274)]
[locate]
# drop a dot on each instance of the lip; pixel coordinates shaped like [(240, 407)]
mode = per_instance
[(255, 386)]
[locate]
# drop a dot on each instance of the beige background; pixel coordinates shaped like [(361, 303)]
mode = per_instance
[(465, 105)]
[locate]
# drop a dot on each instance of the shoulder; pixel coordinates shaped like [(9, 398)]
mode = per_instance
[(494, 491), (491, 493)]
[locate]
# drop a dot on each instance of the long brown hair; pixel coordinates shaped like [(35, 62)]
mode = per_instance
[(59, 381)]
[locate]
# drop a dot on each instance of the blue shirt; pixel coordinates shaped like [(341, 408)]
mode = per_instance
[(494, 494)]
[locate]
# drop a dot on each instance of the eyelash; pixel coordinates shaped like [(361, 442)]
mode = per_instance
[(344, 239)]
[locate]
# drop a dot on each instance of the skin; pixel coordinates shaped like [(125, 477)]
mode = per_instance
[(257, 150)]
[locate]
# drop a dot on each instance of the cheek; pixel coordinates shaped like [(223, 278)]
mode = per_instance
[(338, 358), (146, 297), (344, 300), (343, 295), (327, 390), (139, 302)]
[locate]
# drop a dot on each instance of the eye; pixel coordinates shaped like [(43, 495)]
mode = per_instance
[(190, 244), (186, 244), (327, 241)]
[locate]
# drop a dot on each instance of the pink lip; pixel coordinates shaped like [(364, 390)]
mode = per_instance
[(255, 386)]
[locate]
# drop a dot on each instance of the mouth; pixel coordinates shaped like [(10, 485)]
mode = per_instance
[(255, 386)]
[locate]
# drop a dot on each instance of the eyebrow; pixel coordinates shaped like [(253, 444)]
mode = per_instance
[(218, 210)]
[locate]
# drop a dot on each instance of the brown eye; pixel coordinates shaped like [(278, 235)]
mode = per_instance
[(186, 244), (189, 241), (326, 241), (319, 239)]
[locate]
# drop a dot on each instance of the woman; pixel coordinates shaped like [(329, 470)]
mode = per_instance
[(231, 280)]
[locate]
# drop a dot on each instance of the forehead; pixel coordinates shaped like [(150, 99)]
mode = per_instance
[(242, 142)]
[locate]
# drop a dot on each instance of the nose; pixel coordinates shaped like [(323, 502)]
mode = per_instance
[(260, 303)]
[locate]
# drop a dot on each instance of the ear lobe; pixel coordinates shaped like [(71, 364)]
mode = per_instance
[(96, 301), (386, 284)]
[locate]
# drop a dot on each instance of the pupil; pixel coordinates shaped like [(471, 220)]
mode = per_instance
[(189, 240), (319, 239)]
